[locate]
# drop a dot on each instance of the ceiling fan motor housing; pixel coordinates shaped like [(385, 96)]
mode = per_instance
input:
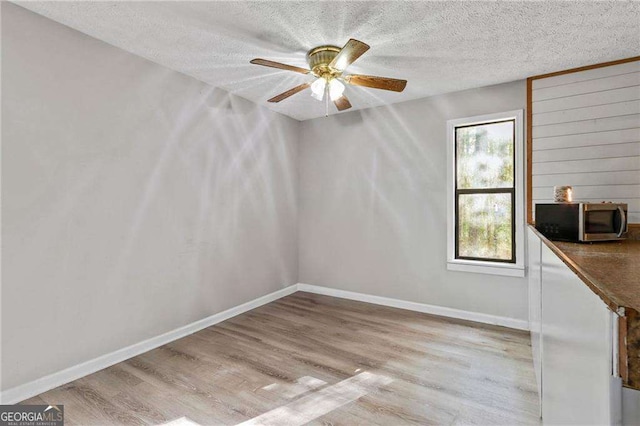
[(319, 59)]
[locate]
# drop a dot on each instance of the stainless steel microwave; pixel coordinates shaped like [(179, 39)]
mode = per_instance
[(582, 222)]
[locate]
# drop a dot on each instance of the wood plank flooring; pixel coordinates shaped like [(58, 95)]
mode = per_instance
[(311, 359)]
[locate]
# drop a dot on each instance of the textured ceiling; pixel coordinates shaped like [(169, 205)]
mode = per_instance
[(438, 47)]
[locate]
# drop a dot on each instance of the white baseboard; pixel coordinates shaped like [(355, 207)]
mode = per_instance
[(36, 387), (418, 307)]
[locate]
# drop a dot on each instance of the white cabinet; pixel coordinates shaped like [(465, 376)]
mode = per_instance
[(572, 338), (577, 349), (535, 305)]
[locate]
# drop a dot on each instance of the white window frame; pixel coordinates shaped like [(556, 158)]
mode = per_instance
[(487, 267)]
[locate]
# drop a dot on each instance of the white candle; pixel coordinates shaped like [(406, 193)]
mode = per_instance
[(562, 194)]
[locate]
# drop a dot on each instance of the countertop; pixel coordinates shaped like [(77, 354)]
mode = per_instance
[(611, 269)]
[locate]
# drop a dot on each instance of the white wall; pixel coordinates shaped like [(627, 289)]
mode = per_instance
[(135, 199), (586, 133), (373, 203)]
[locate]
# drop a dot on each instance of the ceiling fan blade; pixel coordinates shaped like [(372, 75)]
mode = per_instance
[(289, 92), (348, 55), (342, 103), (272, 64), (383, 83)]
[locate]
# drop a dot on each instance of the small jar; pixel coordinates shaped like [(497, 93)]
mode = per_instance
[(562, 194)]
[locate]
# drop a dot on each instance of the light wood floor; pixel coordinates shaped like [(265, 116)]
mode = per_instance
[(319, 360)]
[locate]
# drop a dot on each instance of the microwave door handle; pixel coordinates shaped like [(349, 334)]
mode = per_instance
[(623, 222)]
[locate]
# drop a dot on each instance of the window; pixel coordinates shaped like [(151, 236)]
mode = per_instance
[(485, 194)]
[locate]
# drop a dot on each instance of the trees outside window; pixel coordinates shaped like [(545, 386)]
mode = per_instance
[(485, 184), (485, 191)]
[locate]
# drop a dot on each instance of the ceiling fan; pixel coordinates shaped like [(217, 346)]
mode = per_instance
[(327, 64)]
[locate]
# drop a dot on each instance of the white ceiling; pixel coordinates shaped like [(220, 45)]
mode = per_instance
[(438, 47)]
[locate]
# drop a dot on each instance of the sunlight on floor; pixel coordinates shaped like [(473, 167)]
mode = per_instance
[(321, 402), (182, 421), (302, 385), (310, 406)]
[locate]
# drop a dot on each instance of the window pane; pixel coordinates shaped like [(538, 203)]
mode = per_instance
[(484, 155), (484, 226)]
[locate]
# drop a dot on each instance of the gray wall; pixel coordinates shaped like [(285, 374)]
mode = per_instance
[(135, 199), (372, 204)]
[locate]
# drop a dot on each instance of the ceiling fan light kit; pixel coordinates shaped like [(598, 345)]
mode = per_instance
[(327, 64), (318, 87)]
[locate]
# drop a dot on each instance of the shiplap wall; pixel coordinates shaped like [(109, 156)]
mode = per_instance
[(586, 133)]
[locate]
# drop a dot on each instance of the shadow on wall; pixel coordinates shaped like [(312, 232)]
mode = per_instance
[(229, 156), (371, 195), (351, 119), (219, 100), (142, 200), (381, 149), (373, 209)]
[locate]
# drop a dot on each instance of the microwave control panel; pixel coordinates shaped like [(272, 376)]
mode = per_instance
[(558, 221)]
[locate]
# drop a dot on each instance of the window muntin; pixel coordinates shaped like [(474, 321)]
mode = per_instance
[(485, 191)]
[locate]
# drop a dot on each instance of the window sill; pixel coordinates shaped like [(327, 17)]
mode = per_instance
[(492, 268)]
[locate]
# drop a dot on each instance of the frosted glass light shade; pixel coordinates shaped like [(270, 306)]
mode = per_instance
[(317, 88)]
